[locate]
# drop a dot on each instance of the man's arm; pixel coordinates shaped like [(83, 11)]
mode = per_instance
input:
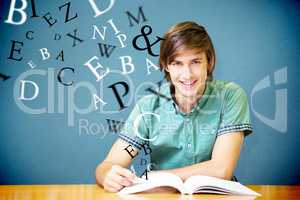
[(225, 155), (111, 173)]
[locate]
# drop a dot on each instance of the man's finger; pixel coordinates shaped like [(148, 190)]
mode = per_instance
[(125, 172), (114, 185), (124, 181)]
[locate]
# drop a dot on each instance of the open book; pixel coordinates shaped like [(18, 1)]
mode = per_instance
[(194, 184)]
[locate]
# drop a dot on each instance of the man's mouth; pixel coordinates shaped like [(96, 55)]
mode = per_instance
[(188, 84)]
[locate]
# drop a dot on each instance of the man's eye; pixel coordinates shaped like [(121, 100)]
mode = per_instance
[(196, 62), (175, 63)]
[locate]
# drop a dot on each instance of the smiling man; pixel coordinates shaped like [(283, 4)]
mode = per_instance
[(200, 130), (188, 73)]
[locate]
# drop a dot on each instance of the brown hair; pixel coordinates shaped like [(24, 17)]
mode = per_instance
[(186, 35)]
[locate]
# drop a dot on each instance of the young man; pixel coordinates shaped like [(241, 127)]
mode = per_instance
[(197, 125)]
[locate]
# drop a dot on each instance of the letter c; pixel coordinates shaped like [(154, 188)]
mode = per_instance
[(136, 124)]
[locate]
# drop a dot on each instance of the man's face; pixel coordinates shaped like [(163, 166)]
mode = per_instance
[(188, 73)]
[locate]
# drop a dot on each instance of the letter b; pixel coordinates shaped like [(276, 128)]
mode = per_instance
[(13, 9)]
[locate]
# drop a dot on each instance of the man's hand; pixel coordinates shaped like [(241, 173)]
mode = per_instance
[(117, 178)]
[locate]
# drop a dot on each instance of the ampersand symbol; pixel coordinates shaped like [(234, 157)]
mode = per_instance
[(145, 31)]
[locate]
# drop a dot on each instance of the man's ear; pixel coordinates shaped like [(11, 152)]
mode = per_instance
[(210, 66), (167, 68)]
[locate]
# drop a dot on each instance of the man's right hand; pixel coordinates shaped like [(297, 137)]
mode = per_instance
[(116, 178)]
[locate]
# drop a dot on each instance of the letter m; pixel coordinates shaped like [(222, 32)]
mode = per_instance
[(137, 20)]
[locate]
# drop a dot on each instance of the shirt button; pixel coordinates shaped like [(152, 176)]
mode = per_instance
[(186, 121)]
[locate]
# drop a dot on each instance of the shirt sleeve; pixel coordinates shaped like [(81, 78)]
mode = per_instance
[(235, 115), (135, 131)]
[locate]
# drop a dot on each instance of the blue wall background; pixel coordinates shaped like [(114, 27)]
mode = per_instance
[(253, 39)]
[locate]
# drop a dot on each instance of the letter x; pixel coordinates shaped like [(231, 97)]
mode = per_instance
[(74, 37), (4, 77)]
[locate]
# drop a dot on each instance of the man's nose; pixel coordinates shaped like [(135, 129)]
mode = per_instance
[(186, 71)]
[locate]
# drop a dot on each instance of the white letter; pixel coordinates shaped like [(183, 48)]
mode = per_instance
[(36, 91), (31, 64), (12, 9), (99, 33), (120, 36), (149, 65), (17, 89), (113, 26), (83, 126), (94, 70), (136, 125), (45, 53), (97, 100), (128, 63), (97, 11)]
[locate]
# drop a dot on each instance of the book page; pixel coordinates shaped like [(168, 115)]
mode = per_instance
[(195, 183), (155, 179)]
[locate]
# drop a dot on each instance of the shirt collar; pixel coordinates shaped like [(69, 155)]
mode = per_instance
[(168, 99)]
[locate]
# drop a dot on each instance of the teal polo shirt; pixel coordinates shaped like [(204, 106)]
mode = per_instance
[(180, 139)]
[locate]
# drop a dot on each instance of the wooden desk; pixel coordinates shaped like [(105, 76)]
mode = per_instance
[(74, 192)]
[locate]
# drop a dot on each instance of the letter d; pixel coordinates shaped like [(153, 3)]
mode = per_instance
[(36, 91), (96, 9)]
